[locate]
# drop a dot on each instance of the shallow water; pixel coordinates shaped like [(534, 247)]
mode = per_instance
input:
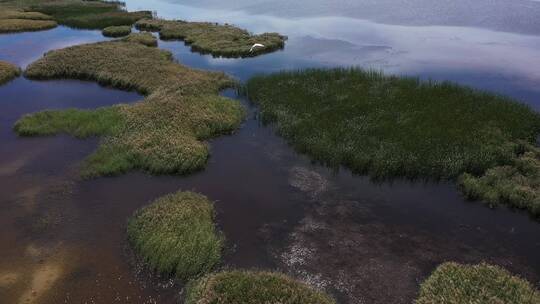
[(64, 238)]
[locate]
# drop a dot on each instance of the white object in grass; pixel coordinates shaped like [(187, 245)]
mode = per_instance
[(256, 45)]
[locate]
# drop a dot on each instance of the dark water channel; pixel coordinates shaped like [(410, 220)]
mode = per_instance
[(62, 239)]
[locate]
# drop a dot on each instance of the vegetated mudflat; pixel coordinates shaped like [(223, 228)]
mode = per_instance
[(211, 38), (176, 235), (116, 31), (388, 126), (8, 71), (164, 133), (453, 283), (252, 287), (75, 13)]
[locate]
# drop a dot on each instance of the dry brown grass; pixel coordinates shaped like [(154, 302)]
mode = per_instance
[(212, 38), (8, 71), (165, 133)]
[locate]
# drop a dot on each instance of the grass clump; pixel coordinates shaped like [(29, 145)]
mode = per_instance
[(453, 283), (18, 14), (212, 38), (8, 72), (163, 134), (388, 126), (142, 38), (117, 31), (249, 287), (176, 234), (516, 184)]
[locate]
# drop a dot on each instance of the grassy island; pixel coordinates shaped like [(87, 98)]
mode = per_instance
[(117, 31), (176, 235), (453, 283), (163, 134), (14, 20), (211, 38), (249, 287), (388, 126), (142, 38), (8, 72)]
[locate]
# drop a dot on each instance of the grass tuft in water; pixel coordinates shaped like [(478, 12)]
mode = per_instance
[(14, 20), (212, 38), (163, 134), (249, 287), (116, 31), (176, 235), (453, 283), (142, 38), (8, 72), (388, 126)]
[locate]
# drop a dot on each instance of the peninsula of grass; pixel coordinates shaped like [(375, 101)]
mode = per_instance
[(453, 283), (176, 235), (8, 72), (116, 31), (163, 134), (13, 20), (249, 287), (78, 13), (212, 38), (388, 126)]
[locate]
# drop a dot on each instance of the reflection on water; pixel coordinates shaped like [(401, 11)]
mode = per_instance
[(498, 61), (62, 239)]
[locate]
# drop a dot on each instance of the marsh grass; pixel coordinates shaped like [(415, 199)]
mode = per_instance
[(116, 31), (14, 20), (176, 235), (249, 287), (163, 134), (516, 184), (8, 72), (453, 283), (212, 38), (388, 126), (78, 13), (142, 38)]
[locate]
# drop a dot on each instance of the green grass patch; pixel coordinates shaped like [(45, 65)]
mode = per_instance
[(142, 38), (163, 134), (212, 38), (453, 283), (18, 14), (249, 287), (117, 31), (176, 235), (388, 126), (8, 72)]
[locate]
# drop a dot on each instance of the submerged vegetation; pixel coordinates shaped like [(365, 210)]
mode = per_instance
[(116, 31), (8, 71), (163, 134), (13, 20), (79, 13), (453, 283), (388, 126), (176, 234), (249, 287), (218, 40)]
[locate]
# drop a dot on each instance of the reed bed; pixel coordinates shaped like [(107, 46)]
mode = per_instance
[(14, 20), (389, 126), (176, 235), (252, 287), (142, 38), (163, 134), (212, 38), (8, 72), (453, 283)]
